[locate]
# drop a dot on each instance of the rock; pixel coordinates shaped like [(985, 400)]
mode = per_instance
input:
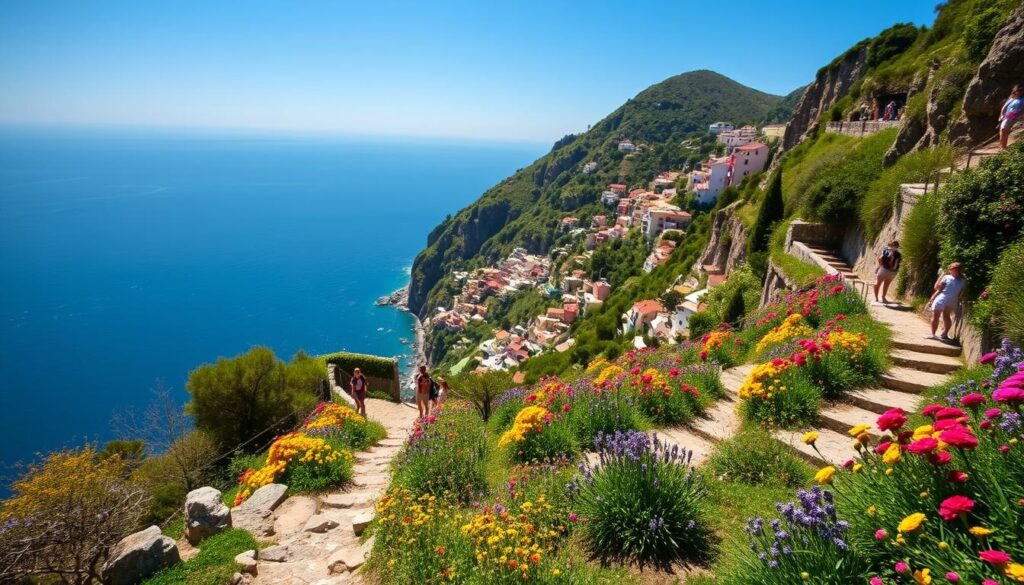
[(319, 523), (236, 579), (205, 514), (292, 515), (248, 561), (349, 500), (830, 85), (347, 560), (360, 521), (1001, 69), (138, 556), (276, 554), (257, 513)]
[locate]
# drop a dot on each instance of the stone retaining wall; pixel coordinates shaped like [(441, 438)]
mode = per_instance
[(864, 128)]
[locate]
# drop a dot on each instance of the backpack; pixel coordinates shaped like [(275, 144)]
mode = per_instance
[(890, 260)]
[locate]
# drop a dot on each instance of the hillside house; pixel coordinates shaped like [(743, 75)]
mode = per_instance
[(568, 224), (610, 198), (659, 255), (618, 188), (710, 180), (590, 167), (627, 146), (664, 217), (718, 127), (774, 131), (733, 139), (748, 160), (639, 315)]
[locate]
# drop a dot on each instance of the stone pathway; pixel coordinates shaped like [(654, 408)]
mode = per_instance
[(316, 538), (917, 364)]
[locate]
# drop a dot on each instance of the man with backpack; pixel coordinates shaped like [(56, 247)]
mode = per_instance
[(888, 266), (424, 386)]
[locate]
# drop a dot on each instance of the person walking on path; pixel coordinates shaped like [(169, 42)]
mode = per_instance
[(423, 389), (359, 389), (1009, 114), (442, 393), (888, 266), (949, 291)]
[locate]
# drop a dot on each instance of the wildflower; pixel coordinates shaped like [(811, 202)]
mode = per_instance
[(892, 420), (901, 567), (988, 358), (911, 522), (994, 557), (952, 577), (939, 458), (1015, 571), (979, 531), (892, 454), (805, 575), (923, 446), (943, 546), (1008, 394), (881, 534), (922, 577), (993, 413), (876, 581), (931, 409), (959, 437), (957, 476), (971, 400), (810, 437), (859, 430), (825, 474)]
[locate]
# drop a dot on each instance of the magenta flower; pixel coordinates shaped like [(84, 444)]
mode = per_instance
[(1009, 395), (902, 567), (949, 412), (939, 457), (1004, 448), (952, 577), (923, 446), (959, 437), (973, 399), (876, 581), (880, 534), (931, 409), (892, 420), (988, 358), (954, 506), (993, 413), (994, 557), (957, 476)]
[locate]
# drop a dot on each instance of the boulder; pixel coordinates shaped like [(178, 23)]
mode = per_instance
[(346, 560), (276, 554), (319, 523), (138, 556), (361, 520), (247, 560), (268, 497), (291, 516), (257, 513), (349, 500), (205, 514)]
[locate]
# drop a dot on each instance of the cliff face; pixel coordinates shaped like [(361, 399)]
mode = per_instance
[(1002, 68), (727, 246), (831, 83)]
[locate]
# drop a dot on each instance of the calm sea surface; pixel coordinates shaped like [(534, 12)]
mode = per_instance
[(128, 257)]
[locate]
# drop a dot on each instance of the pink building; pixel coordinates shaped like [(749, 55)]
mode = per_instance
[(602, 289), (748, 160)]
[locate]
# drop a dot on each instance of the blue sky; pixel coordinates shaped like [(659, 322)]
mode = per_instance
[(522, 70)]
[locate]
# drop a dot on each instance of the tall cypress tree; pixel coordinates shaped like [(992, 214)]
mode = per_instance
[(771, 211)]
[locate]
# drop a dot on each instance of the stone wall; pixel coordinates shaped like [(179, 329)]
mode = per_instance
[(862, 128), (816, 234), (727, 246), (338, 380), (862, 254)]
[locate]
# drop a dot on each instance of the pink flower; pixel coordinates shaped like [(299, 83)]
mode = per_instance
[(1007, 394), (572, 517), (988, 358), (876, 581), (989, 582), (994, 557), (892, 420), (902, 567), (952, 577), (993, 413), (952, 507), (939, 458), (945, 423), (880, 534), (1004, 448), (950, 412), (931, 409), (985, 424), (959, 438), (957, 476), (635, 371), (882, 447), (923, 446), (972, 399)]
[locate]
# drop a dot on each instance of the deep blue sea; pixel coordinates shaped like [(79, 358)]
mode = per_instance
[(131, 256)]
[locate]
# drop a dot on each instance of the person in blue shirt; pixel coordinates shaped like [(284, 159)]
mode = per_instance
[(1009, 114)]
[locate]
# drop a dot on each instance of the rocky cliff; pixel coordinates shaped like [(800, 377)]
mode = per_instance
[(1002, 68), (830, 85), (727, 246)]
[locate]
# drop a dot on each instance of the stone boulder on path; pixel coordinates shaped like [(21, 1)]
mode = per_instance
[(205, 514), (138, 556)]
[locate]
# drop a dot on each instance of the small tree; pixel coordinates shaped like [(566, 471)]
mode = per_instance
[(251, 396), (772, 210), (481, 389), (736, 308), (65, 515), (671, 299)]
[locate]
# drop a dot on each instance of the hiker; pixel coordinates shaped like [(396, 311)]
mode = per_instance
[(359, 388), (890, 111), (423, 386), (888, 266), (949, 291), (1009, 114), (442, 393)]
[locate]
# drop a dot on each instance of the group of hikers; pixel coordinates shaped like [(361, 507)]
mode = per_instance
[(430, 393), (947, 293)]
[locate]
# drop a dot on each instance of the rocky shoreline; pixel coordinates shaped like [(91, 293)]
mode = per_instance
[(400, 301)]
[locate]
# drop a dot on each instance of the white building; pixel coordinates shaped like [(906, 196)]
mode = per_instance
[(720, 127), (626, 146), (748, 160), (733, 139), (708, 182), (610, 198), (663, 217), (589, 167)]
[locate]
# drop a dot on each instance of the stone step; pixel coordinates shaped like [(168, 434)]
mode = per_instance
[(842, 417), (929, 346), (907, 380), (925, 362), (719, 422), (831, 448), (687, 439), (879, 400)]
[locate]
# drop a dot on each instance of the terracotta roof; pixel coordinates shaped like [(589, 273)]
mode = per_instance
[(648, 306), (751, 146), (716, 279)]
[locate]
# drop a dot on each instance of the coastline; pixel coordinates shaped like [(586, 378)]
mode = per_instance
[(399, 300)]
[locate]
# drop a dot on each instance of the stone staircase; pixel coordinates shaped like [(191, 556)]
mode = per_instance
[(916, 364), (719, 422)]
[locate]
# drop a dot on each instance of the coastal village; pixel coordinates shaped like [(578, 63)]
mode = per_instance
[(651, 210)]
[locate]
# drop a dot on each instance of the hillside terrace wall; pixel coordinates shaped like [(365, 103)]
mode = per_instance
[(862, 128)]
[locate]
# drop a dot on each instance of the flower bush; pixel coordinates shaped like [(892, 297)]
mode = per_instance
[(677, 395), (641, 502), (595, 411), (342, 427), (538, 433), (723, 347), (792, 326), (302, 462), (451, 439)]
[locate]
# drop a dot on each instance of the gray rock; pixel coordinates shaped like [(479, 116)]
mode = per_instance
[(236, 579), (257, 513), (138, 556), (346, 560), (319, 523), (268, 497), (360, 521), (276, 554), (205, 514), (350, 500), (248, 561)]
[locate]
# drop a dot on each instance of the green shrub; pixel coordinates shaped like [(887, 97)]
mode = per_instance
[(980, 30), (445, 454), (595, 412), (981, 212), (215, 563), (836, 194), (754, 457), (890, 43), (880, 199), (555, 440), (371, 365), (795, 406), (772, 210), (641, 503), (701, 323), (920, 245), (1006, 293), (313, 477)]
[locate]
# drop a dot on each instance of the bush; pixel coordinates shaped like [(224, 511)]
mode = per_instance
[(215, 563), (772, 210), (537, 434), (481, 389), (371, 365), (794, 403), (701, 323), (641, 503), (304, 462), (754, 457), (836, 194), (251, 395), (981, 212), (880, 199), (595, 412), (890, 43), (343, 427), (980, 30), (1006, 294), (445, 454), (675, 395), (920, 246)]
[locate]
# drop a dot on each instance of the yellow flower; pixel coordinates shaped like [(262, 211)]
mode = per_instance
[(810, 437), (556, 572), (805, 575), (979, 531), (911, 522), (922, 577), (943, 545), (892, 454), (1015, 571), (825, 474), (922, 432), (859, 430), (872, 510), (857, 467)]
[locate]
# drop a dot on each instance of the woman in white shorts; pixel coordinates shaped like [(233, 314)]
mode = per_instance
[(949, 291)]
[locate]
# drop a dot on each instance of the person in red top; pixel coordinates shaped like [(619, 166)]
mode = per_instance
[(423, 387), (359, 389)]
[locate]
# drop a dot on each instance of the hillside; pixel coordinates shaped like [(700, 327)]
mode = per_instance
[(523, 210)]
